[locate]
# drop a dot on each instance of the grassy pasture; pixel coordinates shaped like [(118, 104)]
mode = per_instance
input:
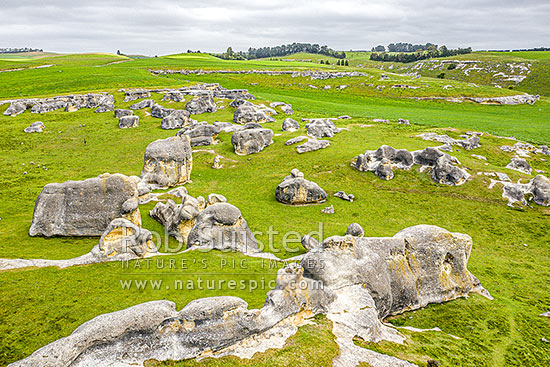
[(41, 305)]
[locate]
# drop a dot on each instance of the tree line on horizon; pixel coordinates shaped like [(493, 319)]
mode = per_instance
[(282, 50), (431, 52), (13, 50)]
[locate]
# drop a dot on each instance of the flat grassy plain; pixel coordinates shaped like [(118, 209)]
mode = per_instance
[(510, 254)]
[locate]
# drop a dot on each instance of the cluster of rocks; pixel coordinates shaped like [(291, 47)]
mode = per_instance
[(102, 102), (506, 100), (252, 139), (312, 74), (211, 223), (168, 162), (525, 149), (296, 190), (321, 128), (468, 143), (356, 281), (537, 189), (35, 127), (201, 104), (383, 160), (200, 89)]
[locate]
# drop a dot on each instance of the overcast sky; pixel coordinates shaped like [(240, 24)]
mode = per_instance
[(166, 26)]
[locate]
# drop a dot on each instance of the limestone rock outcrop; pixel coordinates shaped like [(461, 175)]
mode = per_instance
[(296, 190), (312, 145), (147, 103), (469, 143), (383, 160), (121, 113), (168, 162), (290, 125), (102, 102), (249, 112), (538, 190), (201, 104), (160, 112), (176, 120), (132, 95), (321, 128), (520, 165), (85, 208), (356, 281), (252, 139), (201, 133), (126, 122), (221, 226)]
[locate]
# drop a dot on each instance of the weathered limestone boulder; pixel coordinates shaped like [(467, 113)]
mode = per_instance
[(35, 127), (385, 159), (176, 120), (221, 226), (310, 243), (124, 240), (248, 112), (201, 104), (126, 122), (290, 124), (321, 128), (121, 113), (403, 122), (168, 162), (178, 219), (538, 189), (142, 104), (174, 96), (85, 208), (132, 95), (311, 145), (48, 106), (252, 139), (356, 281), (521, 165), (287, 109), (16, 108), (201, 134), (296, 190), (160, 112)]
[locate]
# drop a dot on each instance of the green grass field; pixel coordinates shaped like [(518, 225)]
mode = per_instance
[(511, 251)]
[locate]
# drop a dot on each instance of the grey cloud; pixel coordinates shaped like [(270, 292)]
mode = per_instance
[(162, 26)]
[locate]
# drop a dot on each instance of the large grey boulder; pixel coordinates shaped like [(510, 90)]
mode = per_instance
[(252, 139), (142, 104), (520, 165), (221, 226), (201, 104), (126, 122), (201, 134), (121, 112), (290, 125), (248, 112), (176, 120), (85, 208), (16, 108), (382, 160), (35, 127), (160, 112), (168, 162), (296, 190), (132, 95), (321, 128)]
